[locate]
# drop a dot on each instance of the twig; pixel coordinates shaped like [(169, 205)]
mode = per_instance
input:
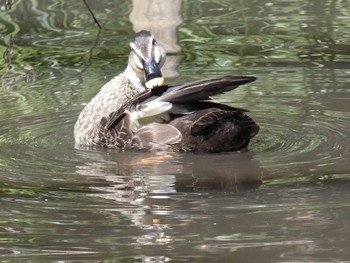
[(9, 4), (7, 53), (91, 52), (92, 14)]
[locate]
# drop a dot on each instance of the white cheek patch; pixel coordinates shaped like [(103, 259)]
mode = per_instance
[(138, 63), (156, 55)]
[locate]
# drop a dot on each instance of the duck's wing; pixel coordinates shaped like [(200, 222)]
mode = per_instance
[(203, 89), (124, 131), (161, 99), (156, 136), (191, 92), (136, 111), (186, 108)]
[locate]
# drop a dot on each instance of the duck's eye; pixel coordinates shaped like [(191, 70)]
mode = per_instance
[(154, 42)]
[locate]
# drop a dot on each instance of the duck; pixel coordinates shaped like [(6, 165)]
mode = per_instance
[(135, 110)]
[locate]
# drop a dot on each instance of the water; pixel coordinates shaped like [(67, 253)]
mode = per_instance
[(284, 200)]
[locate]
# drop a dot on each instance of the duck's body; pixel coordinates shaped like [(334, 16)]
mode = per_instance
[(127, 115), (112, 95)]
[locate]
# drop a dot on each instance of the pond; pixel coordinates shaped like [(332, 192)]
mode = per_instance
[(285, 199)]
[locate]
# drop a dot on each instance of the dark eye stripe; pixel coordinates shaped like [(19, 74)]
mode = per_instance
[(140, 58)]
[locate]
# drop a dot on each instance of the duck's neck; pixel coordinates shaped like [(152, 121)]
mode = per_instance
[(135, 80)]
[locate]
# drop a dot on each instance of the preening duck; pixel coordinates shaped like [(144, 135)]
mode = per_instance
[(135, 111)]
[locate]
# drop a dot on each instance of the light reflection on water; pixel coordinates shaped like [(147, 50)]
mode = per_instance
[(285, 199)]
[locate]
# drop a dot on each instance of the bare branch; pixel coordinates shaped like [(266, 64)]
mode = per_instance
[(92, 14)]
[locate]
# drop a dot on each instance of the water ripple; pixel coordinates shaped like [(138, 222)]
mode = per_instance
[(294, 144)]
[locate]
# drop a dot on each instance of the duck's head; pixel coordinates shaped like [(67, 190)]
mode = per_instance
[(146, 58)]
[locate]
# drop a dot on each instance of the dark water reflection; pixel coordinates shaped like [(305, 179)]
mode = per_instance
[(285, 199)]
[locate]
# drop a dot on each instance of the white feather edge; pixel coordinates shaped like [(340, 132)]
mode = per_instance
[(152, 108)]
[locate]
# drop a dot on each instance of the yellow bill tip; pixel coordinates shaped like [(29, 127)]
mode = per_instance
[(156, 82)]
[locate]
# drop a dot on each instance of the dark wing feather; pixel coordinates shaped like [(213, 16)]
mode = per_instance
[(203, 89), (215, 130), (194, 91), (207, 119), (191, 92)]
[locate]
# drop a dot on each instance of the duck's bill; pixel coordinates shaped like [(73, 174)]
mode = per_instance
[(156, 82), (153, 75)]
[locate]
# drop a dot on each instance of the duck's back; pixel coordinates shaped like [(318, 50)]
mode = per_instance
[(215, 130)]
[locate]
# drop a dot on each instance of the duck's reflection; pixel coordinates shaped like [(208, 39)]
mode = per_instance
[(146, 179), (156, 193)]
